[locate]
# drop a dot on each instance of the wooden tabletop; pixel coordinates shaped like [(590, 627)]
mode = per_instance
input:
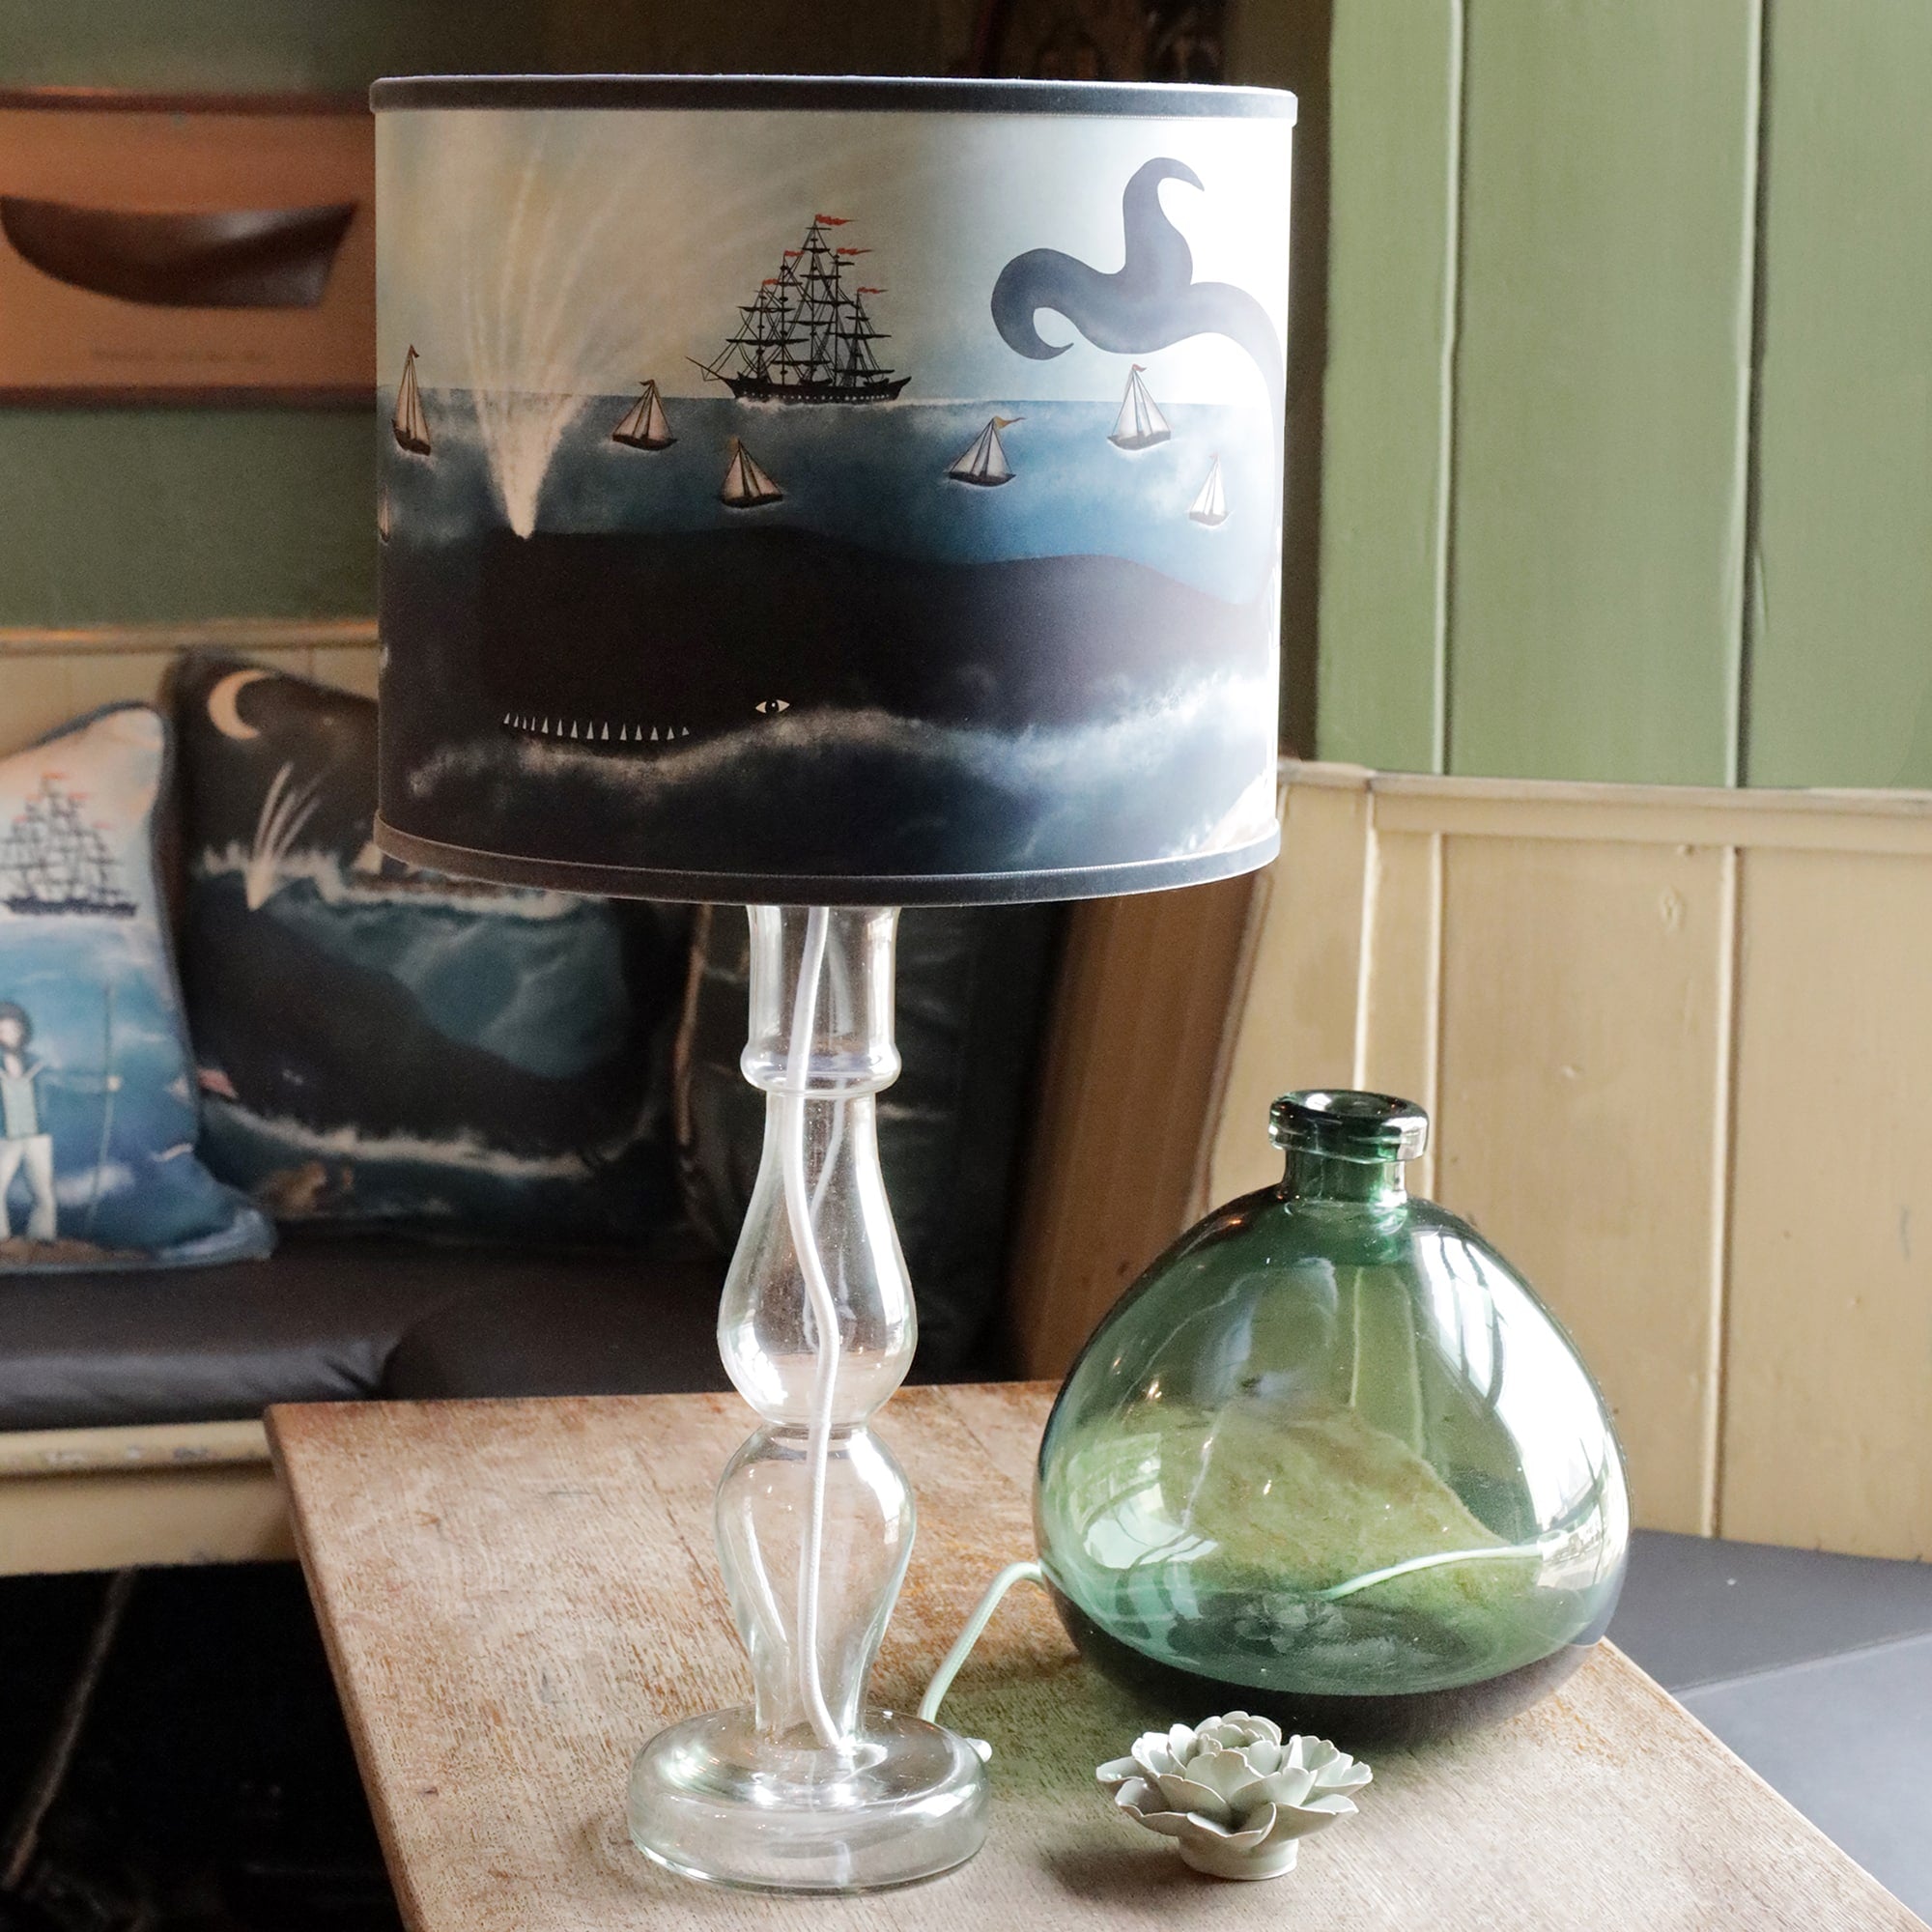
[(515, 1594)]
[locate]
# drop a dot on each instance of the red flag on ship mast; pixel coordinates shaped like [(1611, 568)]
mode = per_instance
[(855, 251), (830, 220)]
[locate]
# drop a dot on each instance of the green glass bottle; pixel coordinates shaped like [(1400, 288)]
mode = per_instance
[(1331, 1460)]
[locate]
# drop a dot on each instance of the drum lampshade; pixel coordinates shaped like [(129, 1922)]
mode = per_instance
[(831, 491)]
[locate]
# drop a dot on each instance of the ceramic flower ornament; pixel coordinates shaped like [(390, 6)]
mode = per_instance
[(1232, 1796)]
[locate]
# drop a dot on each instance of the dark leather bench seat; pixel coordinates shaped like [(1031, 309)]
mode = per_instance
[(339, 1318)]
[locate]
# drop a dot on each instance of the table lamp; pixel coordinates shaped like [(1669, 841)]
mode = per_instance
[(827, 496)]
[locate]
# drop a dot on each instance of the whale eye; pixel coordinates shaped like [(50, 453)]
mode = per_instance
[(772, 706)]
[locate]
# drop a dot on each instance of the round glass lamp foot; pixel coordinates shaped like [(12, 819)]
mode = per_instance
[(714, 1799)]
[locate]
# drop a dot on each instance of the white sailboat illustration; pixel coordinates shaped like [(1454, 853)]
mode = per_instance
[(645, 425), (746, 486), (1211, 505), (411, 425), (1140, 425), (985, 463)]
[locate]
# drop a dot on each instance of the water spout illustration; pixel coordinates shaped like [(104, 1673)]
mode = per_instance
[(540, 303)]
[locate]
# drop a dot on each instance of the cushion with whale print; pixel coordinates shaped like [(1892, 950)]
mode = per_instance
[(98, 1113), (386, 1046)]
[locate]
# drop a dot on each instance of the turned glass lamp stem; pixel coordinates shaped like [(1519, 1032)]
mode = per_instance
[(816, 1326), (801, 1211), (807, 1789)]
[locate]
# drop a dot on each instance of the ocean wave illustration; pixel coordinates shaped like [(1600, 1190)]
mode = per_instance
[(338, 884), (465, 1151), (1051, 785)]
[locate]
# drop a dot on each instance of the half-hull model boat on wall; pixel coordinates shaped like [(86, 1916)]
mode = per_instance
[(214, 257)]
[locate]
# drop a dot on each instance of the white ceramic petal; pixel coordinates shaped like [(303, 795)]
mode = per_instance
[(1351, 1779), (1119, 1770), (1131, 1793), (1179, 1741), (1183, 1794), (1244, 1837), (1289, 1785), (1169, 1823), (1263, 1756), (1261, 1727), (1300, 1822), (1334, 1805), (1226, 1772)]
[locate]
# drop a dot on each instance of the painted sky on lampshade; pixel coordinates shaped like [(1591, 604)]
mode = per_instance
[(587, 250)]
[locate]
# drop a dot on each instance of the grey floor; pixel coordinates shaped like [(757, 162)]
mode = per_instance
[(1816, 1670)]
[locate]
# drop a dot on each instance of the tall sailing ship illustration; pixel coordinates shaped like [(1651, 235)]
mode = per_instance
[(410, 424), (1140, 425), (985, 463), (52, 861), (805, 338), (645, 425)]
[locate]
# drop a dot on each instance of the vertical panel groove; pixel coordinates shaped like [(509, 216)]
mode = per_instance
[(1365, 953), (1452, 335), (1731, 938), (1749, 562), (1438, 885)]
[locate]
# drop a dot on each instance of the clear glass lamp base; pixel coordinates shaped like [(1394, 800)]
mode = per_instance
[(808, 1789), (714, 1799)]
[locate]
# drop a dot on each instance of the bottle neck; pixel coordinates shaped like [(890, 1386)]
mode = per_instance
[(1314, 1177)]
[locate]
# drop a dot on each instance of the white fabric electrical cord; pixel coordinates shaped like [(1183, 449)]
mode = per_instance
[(799, 1209)]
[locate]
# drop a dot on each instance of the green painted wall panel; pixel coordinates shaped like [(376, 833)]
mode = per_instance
[(148, 515), (251, 46), (1394, 77), (1599, 463), (1841, 657)]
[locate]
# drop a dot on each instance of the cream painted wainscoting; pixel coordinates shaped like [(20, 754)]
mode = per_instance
[(1677, 1045), (49, 676)]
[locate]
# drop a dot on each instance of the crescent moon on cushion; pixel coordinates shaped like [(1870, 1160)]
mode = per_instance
[(221, 711)]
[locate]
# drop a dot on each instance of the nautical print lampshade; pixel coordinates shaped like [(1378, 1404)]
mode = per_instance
[(831, 491)]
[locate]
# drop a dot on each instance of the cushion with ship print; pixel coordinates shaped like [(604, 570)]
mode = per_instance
[(98, 1119), (386, 1046)]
